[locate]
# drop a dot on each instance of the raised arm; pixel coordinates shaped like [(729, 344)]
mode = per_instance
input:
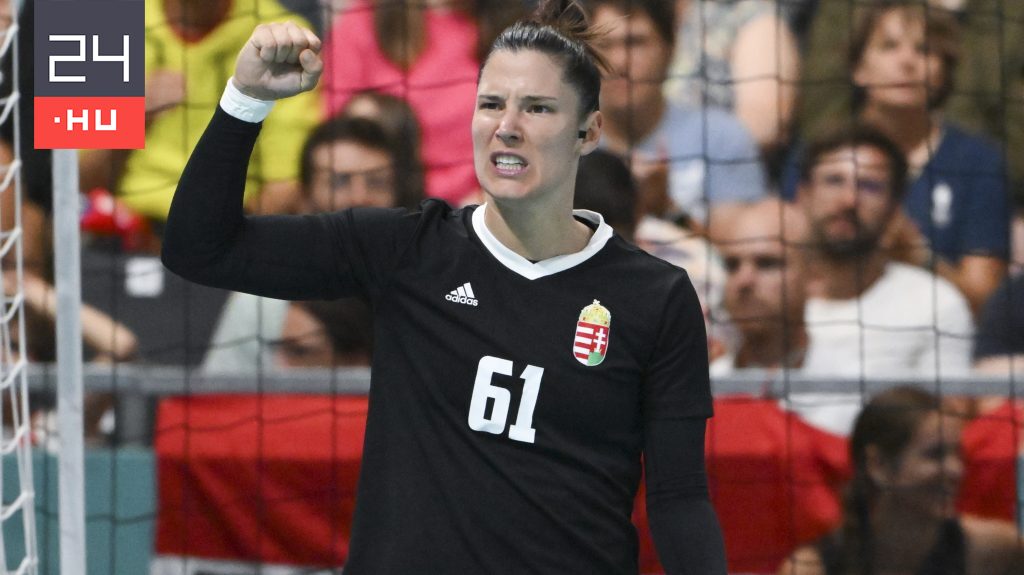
[(278, 61), (208, 239)]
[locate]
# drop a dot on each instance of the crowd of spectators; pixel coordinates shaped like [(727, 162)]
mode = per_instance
[(837, 177)]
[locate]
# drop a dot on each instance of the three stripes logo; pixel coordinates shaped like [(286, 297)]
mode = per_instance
[(463, 294)]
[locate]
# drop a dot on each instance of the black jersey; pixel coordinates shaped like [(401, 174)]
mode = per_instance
[(509, 398)]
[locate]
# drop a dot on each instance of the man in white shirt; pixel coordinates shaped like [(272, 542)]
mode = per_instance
[(868, 316)]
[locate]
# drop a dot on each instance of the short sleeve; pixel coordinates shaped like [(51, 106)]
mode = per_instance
[(735, 173), (676, 384), (987, 229), (1001, 328), (954, 332)]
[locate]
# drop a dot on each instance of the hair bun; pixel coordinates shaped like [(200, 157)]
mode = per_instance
[(565, 16)]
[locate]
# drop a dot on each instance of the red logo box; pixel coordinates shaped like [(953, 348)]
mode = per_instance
[(90, 123)]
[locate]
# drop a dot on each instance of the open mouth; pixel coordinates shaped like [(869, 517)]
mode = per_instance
[(509, 164)]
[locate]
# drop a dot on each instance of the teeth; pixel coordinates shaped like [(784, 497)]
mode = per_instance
[(508, 161)]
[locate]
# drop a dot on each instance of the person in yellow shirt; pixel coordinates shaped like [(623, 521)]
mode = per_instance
[(191, 47)]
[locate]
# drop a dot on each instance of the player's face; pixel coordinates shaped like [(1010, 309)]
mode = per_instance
[(896, 68), (638, 57), (762, 286), (525, 128), (927, 476), (848, 200), (304, 342), (347, 174)]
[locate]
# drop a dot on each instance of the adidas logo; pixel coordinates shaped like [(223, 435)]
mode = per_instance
[(463, 294)]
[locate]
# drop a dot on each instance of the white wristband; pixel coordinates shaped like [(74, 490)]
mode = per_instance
[(245, 108)]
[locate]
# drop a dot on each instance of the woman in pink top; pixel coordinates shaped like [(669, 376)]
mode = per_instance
[(428, 53)]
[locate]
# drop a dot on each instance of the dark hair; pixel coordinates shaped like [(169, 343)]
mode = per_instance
[(395, 115), (888, 422), (853, 136), (605, 185), (942, 35), (400, 26), (400, 123), (661, 12), (369, 133), (347, 323), (559, 29)]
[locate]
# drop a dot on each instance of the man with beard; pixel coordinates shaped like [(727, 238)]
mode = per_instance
[(868, 316)]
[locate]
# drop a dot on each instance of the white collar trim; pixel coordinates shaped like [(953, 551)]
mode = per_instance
[(530, 270)]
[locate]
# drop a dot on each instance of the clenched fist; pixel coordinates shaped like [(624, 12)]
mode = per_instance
[(278, 61)]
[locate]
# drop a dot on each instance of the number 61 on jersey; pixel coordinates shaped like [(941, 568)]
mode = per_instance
[(484, 390)]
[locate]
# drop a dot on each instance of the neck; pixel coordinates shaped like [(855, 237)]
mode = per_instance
[(536, 234), (910, 129), (846, 278), (902, 540), (622, 131), (768, 351)]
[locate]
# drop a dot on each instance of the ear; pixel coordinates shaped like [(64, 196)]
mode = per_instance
[(591, 130)]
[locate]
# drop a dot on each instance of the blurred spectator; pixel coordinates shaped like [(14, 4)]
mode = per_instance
[(122, 276), (191, 46), (36, 186), (317, 12), (899, 514), (304, 491), (741, 56), (429, 53), (399, 122), (346, 162), (798, 14), (1017, 234), (992, 446), (687, 159), (190, 53), (765, 286), (991, 75), (104, 340), (350, 161), (34, 221), (999, 343), (326, 334), (902, 62), (605, 185), (868, 316), (171, 318), (392, 112)]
